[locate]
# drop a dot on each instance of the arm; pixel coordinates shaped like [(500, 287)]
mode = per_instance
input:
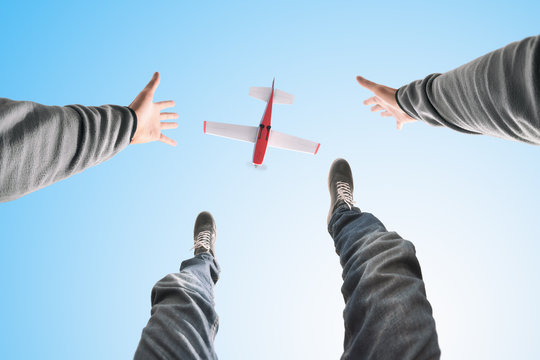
[(40, 145), (497, 94)]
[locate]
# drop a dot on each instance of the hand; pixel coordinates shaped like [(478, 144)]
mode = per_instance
[(385, 99), (150, 117)]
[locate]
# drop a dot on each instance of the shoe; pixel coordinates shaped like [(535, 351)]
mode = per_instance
[(340, 184), (204, 234)]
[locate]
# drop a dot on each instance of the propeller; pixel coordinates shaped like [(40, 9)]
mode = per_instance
[(257, 167)]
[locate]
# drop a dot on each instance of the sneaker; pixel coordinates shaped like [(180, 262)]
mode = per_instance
[(340, 184), (204, 234)]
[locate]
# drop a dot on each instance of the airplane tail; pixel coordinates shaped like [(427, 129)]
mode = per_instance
[(263, 93)]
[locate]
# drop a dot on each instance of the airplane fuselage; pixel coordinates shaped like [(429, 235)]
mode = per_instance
[(263, 136), (264, 132)]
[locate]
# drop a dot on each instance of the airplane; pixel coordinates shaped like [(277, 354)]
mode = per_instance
[(262, 136)]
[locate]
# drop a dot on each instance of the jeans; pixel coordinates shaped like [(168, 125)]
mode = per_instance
[(387, 314), (183, 322)]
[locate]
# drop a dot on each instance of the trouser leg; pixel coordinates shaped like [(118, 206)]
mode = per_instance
[(387, 314), (183, 321)]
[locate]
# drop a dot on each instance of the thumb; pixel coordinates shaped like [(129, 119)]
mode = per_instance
[(154, 82), (366, 83)]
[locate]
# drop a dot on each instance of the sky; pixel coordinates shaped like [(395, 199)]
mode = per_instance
[(78, 259)]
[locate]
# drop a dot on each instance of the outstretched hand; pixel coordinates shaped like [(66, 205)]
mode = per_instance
[(149, 115), (385, 100)]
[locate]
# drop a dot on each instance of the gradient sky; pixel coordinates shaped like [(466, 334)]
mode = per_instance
[(79, 258)]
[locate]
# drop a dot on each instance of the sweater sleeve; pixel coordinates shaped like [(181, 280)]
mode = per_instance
[(497, 94), (40, 145)]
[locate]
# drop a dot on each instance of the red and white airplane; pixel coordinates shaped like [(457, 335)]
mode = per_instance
[(262, 136)]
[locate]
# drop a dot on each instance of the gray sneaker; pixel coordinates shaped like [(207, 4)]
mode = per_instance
[(204, 234), (340, 184)]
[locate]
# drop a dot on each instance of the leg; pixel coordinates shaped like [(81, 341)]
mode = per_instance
[(183, 321), (387, 314)]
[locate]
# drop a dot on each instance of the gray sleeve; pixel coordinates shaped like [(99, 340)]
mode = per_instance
[(497, 94), (40, 145)]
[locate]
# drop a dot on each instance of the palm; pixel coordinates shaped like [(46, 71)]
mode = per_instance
[(385, 101), (149, 116)]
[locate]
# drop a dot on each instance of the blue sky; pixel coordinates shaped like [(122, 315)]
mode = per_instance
[(78, 259)]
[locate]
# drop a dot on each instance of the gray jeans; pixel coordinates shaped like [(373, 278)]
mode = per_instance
[(387, 314), (183, 322)]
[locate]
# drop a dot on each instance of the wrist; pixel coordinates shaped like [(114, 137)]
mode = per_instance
[(135, 124)]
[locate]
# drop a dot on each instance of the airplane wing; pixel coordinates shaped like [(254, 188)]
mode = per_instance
[(263, 93), (288, 142), (237, 132)]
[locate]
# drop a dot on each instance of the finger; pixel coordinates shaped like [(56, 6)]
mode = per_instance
[(167, 140), (165, 104), (154, 82), (370, 85), (372, 100), (377, 108), (399, 125), (168, 116), (168, 125), (386, 114)]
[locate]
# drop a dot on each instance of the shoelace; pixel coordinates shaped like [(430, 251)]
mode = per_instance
[(203, 240), (344, 193)]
